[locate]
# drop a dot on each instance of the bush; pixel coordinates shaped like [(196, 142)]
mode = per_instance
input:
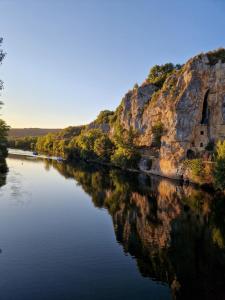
[(210, 146), (219, 174), (104, 117), (103, 147), (195, 166), (25, 143), (158, 74), (124, 138), (157, 131), (200, 171), (125, 158), (215, 56), (135, 86), (220, 150)]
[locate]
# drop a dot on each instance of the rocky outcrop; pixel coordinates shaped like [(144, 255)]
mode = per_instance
[(190, 106), (133, 106)]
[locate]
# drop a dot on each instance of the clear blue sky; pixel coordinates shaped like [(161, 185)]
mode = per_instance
[(67, 60)]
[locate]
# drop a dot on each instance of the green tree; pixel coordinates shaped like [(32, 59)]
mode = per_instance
[(159, 73), (125, 158), (104, 117), (219, 174), (157, 131), (3, 126), (136, 86), (25, 143), (103, 147), (2, 55)]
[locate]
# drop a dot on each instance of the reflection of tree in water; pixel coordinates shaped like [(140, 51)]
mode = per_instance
[(176, 233), (3, 175)]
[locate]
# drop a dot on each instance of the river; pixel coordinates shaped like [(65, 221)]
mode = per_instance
[(86, 232)]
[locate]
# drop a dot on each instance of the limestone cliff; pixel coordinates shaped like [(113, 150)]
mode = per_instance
[(190, 106)]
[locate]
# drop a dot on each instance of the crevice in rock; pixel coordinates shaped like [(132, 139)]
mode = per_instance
[(205, 110)]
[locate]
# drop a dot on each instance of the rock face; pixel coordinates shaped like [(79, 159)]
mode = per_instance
[(133, 106), (190, 106)]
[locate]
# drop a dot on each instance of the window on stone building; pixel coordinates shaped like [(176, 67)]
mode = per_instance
[(201, 145), (202, 132)]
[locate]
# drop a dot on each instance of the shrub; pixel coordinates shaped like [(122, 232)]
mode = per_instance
[(220, 150), (158, 74), (157, 131), (217, 237), (25, 143), (103, 147), (219, 174), (104, 117), (195, 166), (200, 171), (215, 56), (210, 146), (125, 158), (135, 86)]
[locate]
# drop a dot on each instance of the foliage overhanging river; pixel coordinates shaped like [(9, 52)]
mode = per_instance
[(86, 232)]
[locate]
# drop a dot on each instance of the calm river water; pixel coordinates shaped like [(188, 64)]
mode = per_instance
[(84, 232)]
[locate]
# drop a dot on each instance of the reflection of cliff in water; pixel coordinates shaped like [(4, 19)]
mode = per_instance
[(176, 233)]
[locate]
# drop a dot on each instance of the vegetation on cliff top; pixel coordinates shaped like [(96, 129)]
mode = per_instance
[(215, 56), (159, 73), (104, 117)]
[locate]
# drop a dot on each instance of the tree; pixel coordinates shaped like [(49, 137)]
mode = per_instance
[(104, 117), (103, 147), (3, 127), (2, 55), (159, 73), (125, 158), (136, 86), (219, 174), (157, 131)]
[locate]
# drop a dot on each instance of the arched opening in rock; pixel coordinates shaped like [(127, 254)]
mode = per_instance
[(190, 154), (205, 110)]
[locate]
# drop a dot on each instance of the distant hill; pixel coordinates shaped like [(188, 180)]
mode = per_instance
[(22, 132)]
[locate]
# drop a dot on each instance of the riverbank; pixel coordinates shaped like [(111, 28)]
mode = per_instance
[(91, 162)]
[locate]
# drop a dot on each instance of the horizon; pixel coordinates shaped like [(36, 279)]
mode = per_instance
[(74, 67)]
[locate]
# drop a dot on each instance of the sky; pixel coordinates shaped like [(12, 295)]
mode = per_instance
[(67, 60)]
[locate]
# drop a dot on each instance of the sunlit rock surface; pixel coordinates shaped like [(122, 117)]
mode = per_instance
[(191, 107)]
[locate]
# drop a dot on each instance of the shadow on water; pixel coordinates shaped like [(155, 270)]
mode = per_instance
[(176, 233), (3, 172)]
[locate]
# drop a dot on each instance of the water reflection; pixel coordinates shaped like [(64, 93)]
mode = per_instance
[(3, 176), (176, 233)]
